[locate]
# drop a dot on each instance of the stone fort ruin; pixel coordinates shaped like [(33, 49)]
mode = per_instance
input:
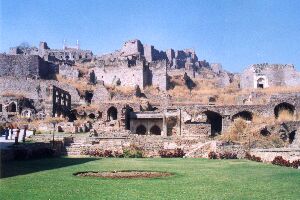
[(132, 96)]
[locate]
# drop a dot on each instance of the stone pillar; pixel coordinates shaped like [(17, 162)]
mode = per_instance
[(226, 121), (164, 132)]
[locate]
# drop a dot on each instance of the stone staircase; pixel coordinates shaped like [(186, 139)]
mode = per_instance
[(74, 146), (199, 149)]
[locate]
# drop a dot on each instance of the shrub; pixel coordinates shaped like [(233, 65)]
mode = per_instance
[(295, 164), (100, 153), (117, 154), (133, 153), (253, 157), (212, 155), (279, 160), (177, 153), (227, 155), (107, 153)]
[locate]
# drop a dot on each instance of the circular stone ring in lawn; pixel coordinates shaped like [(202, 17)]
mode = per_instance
[(123, 174)]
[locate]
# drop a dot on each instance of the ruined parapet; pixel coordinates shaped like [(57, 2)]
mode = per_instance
[(132, 47)]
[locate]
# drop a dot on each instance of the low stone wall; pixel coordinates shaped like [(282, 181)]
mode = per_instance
[(267, 155)]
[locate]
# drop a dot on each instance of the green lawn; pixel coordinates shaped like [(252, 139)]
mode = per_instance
[(193, 179)]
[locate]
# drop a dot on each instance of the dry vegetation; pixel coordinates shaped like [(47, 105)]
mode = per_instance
[(248, 134), (229, 95), (81, 85)]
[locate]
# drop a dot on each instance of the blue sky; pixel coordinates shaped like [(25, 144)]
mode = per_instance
[(236, 33)]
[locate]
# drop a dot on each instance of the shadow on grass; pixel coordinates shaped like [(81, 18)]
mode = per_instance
[(15, 168)]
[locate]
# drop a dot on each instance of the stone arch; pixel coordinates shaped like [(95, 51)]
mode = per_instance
[(292, 136), (128, 110), (155, 130), (112, 113), (141, 130), (92, 116), (246, 115), (12, 107), (261, 83), (215, 120), (283, 107), (60, 129)]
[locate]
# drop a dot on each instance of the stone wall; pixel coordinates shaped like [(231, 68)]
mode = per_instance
[(159, 74), (34, 89), (127, 76), (27, 66)]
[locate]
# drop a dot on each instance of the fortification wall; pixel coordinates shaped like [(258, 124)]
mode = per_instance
[(30, 66), (159, 74), (128, 76), (34, 89)]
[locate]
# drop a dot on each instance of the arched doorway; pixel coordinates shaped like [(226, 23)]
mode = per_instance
[(12, 107), (284, 108), (112, 113), (246, 115), (155, 130), (92, 116), (128, 110), (141, 130), (215, 120), (261, 83)]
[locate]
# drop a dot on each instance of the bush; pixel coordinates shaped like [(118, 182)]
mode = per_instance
[(295, 164), (97, 152), (225, 155), (133, 153), (212, 155), (177, 153), (253, 157), (279, 160), (107, 153)]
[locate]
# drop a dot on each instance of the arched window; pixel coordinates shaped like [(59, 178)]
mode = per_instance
[(246, 115), (141, 130), (0, 107), (284, 109), (155, 130), (112, 113), (215, 120)]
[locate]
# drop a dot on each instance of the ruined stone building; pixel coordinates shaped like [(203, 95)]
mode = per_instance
[(44, 51), (269, 75)]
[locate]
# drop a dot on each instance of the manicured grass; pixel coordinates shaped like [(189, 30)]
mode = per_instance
[(193, 179)]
